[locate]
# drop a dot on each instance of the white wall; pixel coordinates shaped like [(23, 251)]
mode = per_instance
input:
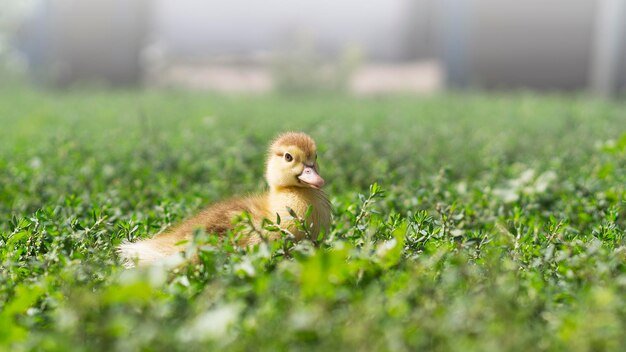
[(379, 27)]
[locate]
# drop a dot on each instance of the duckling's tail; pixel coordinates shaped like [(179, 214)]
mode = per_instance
[(163, 250)]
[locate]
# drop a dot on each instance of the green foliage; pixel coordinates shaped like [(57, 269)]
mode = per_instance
[(460, 223)]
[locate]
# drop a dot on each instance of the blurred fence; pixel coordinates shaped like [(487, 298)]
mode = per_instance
[(538, 44)]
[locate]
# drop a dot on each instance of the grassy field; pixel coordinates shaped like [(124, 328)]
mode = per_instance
[(461, 222)]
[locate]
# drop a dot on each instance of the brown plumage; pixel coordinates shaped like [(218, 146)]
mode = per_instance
[(294, 182)]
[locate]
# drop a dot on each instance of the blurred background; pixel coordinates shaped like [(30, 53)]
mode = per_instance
[(362, 47)]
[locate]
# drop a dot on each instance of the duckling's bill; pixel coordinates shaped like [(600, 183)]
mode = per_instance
[(310, 176)]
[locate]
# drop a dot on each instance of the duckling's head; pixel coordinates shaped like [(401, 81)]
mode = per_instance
[(292, 162)]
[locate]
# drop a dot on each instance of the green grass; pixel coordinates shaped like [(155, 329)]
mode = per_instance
[(498, 225)]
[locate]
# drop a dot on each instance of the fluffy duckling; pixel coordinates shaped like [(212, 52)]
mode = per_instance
[(292, 174)]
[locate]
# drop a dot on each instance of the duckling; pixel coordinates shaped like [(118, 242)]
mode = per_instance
[(292, 173)]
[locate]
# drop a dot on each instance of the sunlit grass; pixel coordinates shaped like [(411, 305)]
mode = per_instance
[(498, 224)]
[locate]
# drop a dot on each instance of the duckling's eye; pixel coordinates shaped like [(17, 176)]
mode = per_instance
[(288, 157)]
